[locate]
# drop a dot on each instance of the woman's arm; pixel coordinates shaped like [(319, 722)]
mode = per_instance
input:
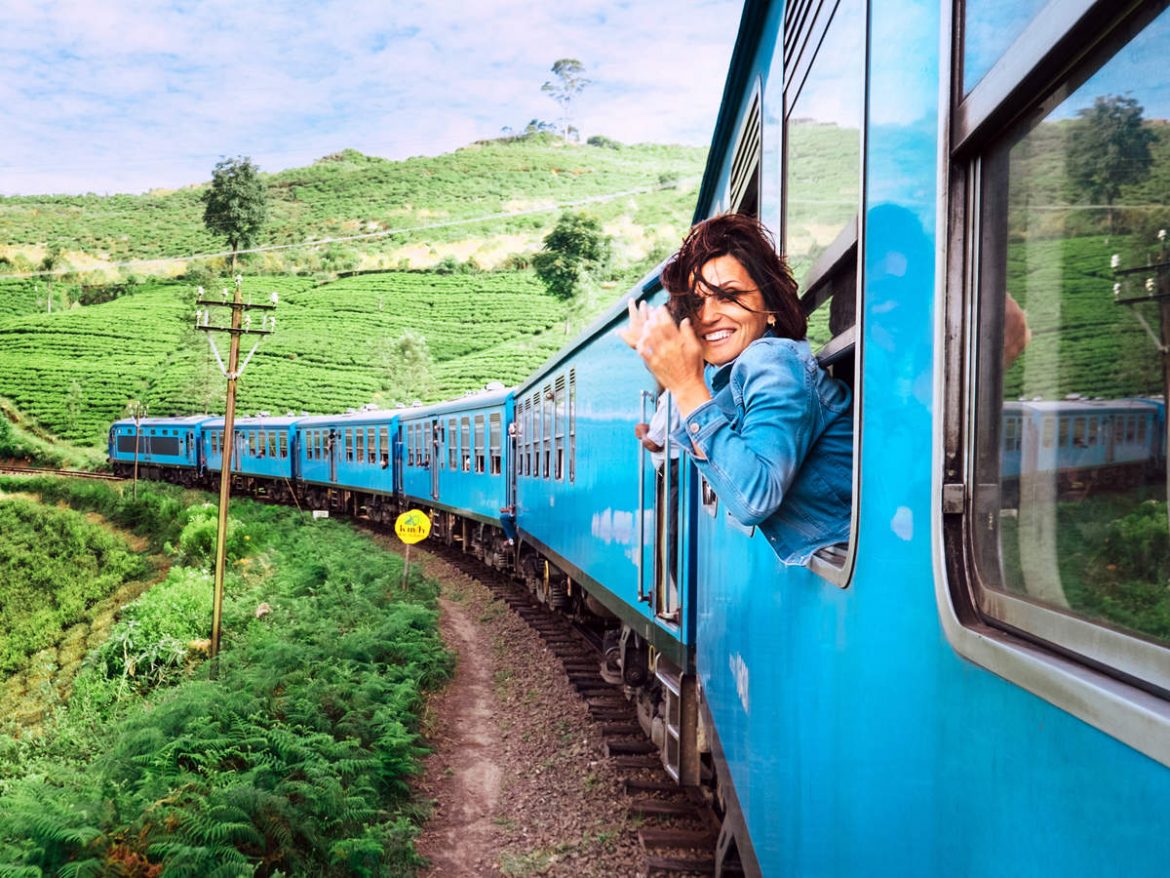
[(751, 466)]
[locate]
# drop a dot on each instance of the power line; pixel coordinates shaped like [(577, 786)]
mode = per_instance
[(592, 199)]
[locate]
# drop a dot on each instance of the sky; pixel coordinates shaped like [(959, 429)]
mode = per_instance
[(124, 96)]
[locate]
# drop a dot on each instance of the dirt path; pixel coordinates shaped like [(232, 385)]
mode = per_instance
[(467, 788), (517, 776)]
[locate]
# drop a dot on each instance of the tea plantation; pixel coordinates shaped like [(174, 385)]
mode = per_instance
[(73, 372)]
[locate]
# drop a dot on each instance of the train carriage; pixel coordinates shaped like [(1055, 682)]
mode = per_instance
[(263, 456), (162, 447), (944, 694), (591, 502), (347, 462), (456, 458)]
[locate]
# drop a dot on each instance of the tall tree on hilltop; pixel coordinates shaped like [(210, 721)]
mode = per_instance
[(1109, 148), (571, 82), (575, 247), (236, 203)]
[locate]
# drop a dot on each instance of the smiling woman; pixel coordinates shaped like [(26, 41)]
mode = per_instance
[(767, 427)]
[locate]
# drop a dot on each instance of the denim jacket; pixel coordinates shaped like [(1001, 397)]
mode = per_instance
[(776, 445)]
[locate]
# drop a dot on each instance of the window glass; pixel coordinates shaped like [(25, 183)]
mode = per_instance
[(480, 445), (1072, 207), (547, 431), (989, 28), (823, 165), (371, 446), (495, 435), (559, 429), (283, 444), (572, 424), (465, 438), (452, 445)]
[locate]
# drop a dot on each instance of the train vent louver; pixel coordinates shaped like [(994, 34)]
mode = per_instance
[(747, 154)]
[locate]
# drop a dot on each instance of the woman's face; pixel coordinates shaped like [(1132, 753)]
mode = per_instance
[(726, 327)]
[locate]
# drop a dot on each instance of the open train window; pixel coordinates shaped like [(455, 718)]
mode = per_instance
[(559, 428), (1059, 278), (824, 65), (496, 437), (465, 442)]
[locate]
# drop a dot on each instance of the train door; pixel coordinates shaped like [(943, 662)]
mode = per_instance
[(433, 455), (398, 461), (331, 450)]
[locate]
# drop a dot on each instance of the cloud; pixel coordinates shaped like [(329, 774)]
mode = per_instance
[(125, 96)]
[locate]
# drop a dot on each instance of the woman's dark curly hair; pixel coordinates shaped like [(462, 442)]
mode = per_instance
[(745, 238)]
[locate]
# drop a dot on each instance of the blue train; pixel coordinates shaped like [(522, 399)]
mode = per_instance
[(978, 682)]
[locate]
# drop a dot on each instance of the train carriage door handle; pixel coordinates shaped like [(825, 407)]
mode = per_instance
[(641, 556)]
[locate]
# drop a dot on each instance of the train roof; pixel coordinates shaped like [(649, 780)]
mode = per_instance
[(260, 421), (477, 400), (181, 421), (366, 416), (1059, 406)]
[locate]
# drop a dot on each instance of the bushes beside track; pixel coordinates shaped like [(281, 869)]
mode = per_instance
[(293, 760)]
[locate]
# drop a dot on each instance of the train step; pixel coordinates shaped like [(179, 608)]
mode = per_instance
[(674, 865), (653, 837)]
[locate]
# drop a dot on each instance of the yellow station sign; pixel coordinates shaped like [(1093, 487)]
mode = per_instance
[(413, 526)]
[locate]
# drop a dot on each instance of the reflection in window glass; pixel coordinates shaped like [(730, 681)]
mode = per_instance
[(824, 150), (989, 28), (1072, 213)]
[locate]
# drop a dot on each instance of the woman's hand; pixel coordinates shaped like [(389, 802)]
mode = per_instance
[(672, 353)]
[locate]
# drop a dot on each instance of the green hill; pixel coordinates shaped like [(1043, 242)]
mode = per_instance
[(440, 198)]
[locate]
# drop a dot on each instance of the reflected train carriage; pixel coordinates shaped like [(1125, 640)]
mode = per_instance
[(165, 448), (455, 458), (347, 462), (263, 456), (1098, 444)]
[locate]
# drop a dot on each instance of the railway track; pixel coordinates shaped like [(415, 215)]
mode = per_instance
[(67, 473), (678, 827)]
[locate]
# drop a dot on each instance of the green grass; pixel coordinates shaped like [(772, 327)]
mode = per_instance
[(293, 759), (54, 567)]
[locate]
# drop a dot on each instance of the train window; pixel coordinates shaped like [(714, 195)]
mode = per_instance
[(465, 442), (822, 192), (559, 429), (572, 425), (426, 436), (214, 442), (547, 431), (360, 441), (452, 445), (480, 444), (1067, 546), (531, 433), (252, 443), (272, 446), (495, 434), (371, 446)]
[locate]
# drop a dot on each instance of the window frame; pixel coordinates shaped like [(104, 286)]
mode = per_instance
[(1115, 681), (841, 264), (495, 443), (479, 444)]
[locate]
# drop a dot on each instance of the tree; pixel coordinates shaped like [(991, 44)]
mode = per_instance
[(406, 364), (236, 203), (571, 75), (1109, 148), (574, 248)]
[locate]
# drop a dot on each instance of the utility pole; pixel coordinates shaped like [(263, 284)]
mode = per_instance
[(137, 411), (240, 325), (1155, 288)]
